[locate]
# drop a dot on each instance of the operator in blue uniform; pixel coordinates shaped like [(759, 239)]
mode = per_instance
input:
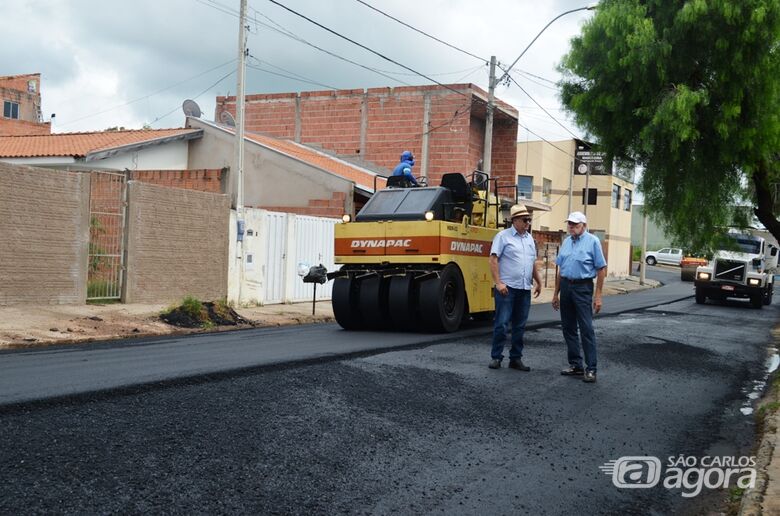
[(404, 168)]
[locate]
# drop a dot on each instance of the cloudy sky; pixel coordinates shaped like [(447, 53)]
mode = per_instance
[(109, 63)]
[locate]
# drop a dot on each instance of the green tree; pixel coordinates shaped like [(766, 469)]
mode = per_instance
[(690, 91)]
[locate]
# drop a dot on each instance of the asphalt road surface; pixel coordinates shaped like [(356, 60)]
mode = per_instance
[(57, 371), (430, 429)]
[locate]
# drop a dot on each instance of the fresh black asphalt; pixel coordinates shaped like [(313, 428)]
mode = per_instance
[(57, 371), (429, 429)]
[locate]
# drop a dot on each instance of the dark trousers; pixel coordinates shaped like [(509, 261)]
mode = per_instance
[(577, 313)]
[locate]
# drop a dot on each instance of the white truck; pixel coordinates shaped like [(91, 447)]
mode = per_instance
[(744, 268)]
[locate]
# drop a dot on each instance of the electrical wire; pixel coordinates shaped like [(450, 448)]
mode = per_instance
[(364, 47), (194, 98), (146, 96), (293, 76), (542, 108), (422, 32)]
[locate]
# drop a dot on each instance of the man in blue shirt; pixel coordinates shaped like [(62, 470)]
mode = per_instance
[(513, 266), (404, 168), (579, 261)]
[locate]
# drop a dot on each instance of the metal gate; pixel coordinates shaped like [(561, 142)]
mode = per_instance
[(107, 202), (276, 255)]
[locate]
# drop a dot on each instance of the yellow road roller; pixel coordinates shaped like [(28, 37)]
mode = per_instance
[(416, 258)]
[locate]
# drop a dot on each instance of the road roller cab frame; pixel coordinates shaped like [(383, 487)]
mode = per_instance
[(416, 259)]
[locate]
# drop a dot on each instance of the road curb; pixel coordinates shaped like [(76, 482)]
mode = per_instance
[(753, 500)]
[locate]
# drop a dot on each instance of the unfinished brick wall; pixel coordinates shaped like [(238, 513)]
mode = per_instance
[(379, 123), (10, 127), (334, 207), (177, 244), (44, 231), (204, 180)]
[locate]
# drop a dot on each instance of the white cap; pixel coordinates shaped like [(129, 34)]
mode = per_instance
[(577, 217)]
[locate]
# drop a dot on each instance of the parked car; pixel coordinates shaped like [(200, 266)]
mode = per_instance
[(668, 255), (688, 267)]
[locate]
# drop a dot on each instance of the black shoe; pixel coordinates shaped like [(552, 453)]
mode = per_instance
[(573, 371), (590, 377), (519, 365), (495, 364)]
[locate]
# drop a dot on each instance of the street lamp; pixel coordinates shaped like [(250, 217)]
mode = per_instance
[(488, 150), (589, 7)]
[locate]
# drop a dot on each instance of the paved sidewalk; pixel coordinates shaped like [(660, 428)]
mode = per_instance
[(35, 325)]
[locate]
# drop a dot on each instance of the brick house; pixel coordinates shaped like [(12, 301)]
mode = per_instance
[(21, 98), (444, 126)]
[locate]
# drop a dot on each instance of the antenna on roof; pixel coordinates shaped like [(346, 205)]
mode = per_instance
[(227, 119), (191, 108)]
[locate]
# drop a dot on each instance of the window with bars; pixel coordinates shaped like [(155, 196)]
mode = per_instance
[(627, 199)]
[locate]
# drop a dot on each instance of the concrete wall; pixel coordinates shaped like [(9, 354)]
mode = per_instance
[(44, 235), (177, 244), (271, 179)]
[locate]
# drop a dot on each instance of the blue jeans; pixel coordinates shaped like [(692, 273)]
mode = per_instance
[(510, 309), (577, 311)]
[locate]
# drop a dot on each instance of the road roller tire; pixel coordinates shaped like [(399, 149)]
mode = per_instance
[(442, 301), (402, 298), (373, 303), (345, 301)]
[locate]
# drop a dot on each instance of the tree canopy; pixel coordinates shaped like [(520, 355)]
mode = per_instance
[(690, 91)]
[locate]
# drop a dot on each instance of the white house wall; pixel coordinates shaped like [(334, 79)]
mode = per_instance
[(169, 156), (273, 246)]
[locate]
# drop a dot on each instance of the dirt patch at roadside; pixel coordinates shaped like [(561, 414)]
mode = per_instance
[(210, 315)]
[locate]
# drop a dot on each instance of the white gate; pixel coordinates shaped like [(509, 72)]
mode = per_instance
[(313, 240), (274, 244), (274, 240)]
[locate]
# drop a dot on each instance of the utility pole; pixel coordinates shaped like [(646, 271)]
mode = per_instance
[(587, 191), (571, 185), (487, 153), (239, 146), (642, 264)]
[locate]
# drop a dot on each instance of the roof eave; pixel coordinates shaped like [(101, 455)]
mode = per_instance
[(113, 151)]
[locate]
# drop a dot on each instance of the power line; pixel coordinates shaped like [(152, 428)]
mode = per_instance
[(545, 140), (422, 32), (364, 47), (284, 32), (542, 108), (146, 96), (293, 76), (194, 98)]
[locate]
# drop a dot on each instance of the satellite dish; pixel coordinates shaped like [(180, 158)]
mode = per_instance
[(191, 108), (227, 119)]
